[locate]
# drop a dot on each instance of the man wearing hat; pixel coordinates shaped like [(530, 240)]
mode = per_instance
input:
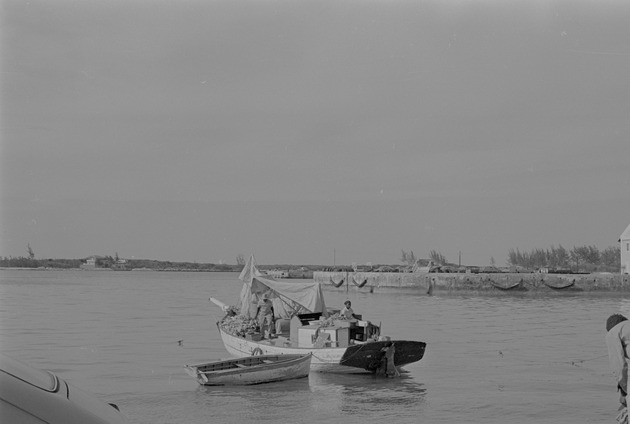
[(265, 313)]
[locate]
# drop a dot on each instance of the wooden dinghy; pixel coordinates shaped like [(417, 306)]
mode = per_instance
[(251, 370), (359, 281), (336, 284), (559, 284), (517, 285)]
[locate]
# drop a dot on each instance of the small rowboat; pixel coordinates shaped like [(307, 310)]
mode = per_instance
[(559, 285), (251, 370), (337, 285), (516, 285), (359, 282)]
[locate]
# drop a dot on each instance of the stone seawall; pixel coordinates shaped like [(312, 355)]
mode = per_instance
[(496, 283)]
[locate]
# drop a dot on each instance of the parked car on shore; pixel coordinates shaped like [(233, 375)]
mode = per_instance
[(32, 396)]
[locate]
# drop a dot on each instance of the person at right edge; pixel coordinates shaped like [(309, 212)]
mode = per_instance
[(617, 341)]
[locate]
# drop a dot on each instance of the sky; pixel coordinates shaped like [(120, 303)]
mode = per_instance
[(313, 132)]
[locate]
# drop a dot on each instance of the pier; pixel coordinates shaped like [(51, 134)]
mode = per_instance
[(487, 283)]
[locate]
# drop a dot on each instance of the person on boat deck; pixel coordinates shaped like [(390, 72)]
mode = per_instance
[(265, 314), (617, 341), (347, 311)]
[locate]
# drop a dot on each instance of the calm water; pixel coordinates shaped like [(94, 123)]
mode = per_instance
[(489, 359)]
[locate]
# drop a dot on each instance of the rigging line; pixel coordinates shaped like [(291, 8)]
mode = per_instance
[(354, 354), (319, 358), (596, 357), (290, 305), (574, 362)]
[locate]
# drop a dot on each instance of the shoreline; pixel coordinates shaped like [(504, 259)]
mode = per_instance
[(107, 269), (436, 283)]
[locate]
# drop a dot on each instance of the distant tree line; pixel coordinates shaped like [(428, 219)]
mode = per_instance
[(177, 266), (438, 258), (112, 262), (108, 262), (409, 258), (579, 258), (29, 261), (26, 262)]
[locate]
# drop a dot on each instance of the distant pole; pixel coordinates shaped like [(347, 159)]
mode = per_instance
[(460, 258), (334, 257)]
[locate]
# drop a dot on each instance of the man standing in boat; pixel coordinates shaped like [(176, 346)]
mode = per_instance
[(371, 331), (265, 315)]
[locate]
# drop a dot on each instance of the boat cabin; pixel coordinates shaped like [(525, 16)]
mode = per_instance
[(306, 330)]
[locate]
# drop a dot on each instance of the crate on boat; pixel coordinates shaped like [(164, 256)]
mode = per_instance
[(344, 323), (336, 337), (253, 337)]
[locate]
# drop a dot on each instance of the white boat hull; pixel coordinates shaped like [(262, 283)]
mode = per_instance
[(323, 360)]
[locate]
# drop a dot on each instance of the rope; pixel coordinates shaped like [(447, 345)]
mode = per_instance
[(581, 361), (323, 360), (355, 353), (318, 358), (537, 361)]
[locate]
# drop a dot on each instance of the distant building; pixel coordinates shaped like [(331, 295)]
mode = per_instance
[(90, 263), (277, 273), (120, 265), (94, 262), (624, 244)]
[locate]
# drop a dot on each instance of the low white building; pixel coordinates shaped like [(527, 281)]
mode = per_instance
[(624, 241)]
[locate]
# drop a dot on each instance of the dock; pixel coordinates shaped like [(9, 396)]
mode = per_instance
[(488, 283)]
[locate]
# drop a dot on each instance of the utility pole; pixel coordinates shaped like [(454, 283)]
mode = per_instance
[(460, 258), (334, 257)]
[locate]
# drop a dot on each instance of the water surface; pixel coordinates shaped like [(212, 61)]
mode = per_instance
[(125, 336)]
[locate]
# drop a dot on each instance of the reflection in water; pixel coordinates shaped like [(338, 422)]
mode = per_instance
[(320, 395), (254, 391), (367, 393), (254, 402)]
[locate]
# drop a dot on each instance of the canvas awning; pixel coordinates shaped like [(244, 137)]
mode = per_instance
[(289, 298)]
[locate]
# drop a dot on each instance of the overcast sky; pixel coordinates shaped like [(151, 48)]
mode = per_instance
[(313, 132)]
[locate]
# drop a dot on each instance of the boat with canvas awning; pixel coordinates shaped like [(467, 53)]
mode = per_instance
[(304, 325)]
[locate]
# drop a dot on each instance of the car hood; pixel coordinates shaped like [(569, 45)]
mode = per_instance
[(93, 409)]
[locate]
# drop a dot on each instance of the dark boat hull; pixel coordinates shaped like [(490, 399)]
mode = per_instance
[(369, 356)]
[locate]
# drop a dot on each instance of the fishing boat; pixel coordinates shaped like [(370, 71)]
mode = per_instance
[(251, 370), (304, 325)]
